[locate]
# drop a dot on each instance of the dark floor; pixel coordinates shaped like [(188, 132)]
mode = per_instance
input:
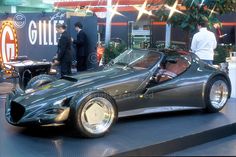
[(127, 135), (222, 147)]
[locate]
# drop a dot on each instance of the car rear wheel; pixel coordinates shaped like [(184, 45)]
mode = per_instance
[(217, 94), (40, 80), (95, 115)]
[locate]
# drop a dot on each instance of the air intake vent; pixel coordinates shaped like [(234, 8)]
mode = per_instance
[(68, 78), (17, 111)]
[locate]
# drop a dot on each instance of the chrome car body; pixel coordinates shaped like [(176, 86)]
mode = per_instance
[(132, 83)]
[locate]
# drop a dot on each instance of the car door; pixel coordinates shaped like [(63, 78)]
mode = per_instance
[(176, 88), (135, 99)]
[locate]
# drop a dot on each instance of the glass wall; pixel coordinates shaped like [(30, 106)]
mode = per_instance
[(139, 33)]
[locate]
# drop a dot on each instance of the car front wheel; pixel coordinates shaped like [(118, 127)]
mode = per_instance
[(95, 115), (217, 94)]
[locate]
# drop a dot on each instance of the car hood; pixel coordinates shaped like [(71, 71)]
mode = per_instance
[(88, 81)]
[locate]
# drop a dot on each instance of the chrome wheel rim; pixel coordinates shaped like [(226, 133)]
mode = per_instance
[(97, 115), (219, 94)]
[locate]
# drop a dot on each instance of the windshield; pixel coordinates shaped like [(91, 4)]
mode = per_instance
[(137, 59)]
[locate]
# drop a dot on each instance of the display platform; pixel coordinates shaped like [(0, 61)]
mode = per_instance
[(221, 147), (155, 134)]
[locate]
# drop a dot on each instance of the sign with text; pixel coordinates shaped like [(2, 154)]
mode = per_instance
[(32, 34), (8, 42)]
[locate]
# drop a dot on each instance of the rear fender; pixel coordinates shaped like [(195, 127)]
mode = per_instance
[(223, 74)]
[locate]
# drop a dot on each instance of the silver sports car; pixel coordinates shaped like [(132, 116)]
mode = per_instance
[(136, 82)]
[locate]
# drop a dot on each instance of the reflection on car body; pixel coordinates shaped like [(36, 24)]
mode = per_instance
[(133, 83)]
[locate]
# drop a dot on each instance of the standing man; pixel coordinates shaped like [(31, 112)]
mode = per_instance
[(204, 42), (81, 45), (64, 56)]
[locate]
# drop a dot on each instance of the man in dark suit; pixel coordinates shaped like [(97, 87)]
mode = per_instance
[(81, 45), (64, 56)]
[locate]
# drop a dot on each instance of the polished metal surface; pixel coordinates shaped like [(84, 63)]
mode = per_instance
[(219, 94), (130, 87), (97, 115)]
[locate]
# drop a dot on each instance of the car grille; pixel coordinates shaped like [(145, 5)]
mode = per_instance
[(17, 111)]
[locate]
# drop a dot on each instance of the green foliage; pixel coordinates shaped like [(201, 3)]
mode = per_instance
[(226, 6), (195, 12), (222, 52), (112, 51)]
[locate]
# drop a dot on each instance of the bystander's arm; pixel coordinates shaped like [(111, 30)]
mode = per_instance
[(194, 44)]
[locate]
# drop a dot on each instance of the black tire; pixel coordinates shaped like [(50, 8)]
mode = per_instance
[(215, 101), (77, 113), (40, 80)]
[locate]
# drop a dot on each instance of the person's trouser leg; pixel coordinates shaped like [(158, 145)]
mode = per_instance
[(82, 63), (65, 68)]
